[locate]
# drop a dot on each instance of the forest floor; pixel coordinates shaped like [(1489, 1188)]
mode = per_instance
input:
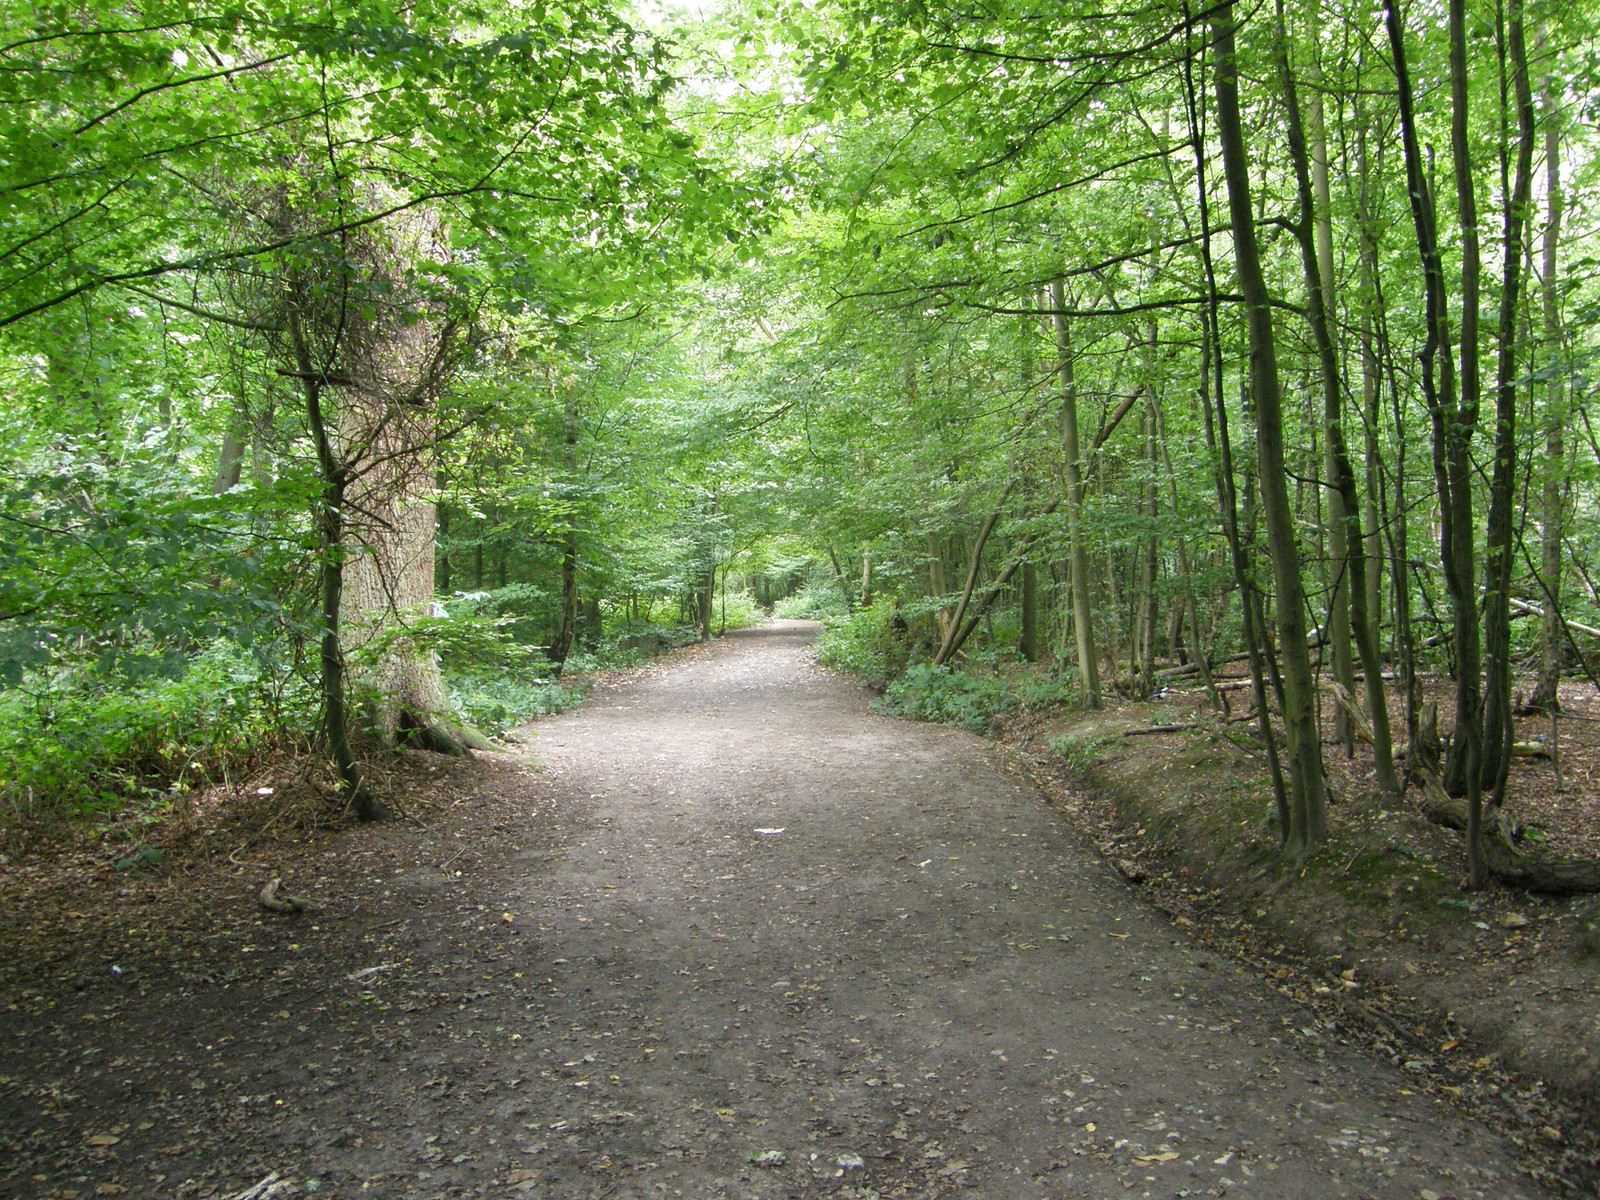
[(722, 932)]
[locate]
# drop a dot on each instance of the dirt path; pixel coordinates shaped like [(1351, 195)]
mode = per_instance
[(763, 944)]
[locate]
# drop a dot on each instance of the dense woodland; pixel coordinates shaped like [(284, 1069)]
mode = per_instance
[(373, 369)]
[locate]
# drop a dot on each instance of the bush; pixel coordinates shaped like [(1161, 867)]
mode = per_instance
[(497, 703), (817, 600), (870, 642), (736, 610), (969, 699), (75, 744)]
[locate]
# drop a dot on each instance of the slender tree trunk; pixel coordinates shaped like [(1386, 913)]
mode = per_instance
[(444, 558), (235, 440), (1497, 727), (1028, 637), (567, 629), (1548, 695), (1347, 514), (1220, 446), (1466, 742), (1078, 555), (1451, 426), (330, 575), (1338, 524), (1308, 813)]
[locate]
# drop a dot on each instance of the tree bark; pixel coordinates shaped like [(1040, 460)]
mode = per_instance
[(1352, 599), (1077, 554), (1552, 502), (1308, 811), (1219, 444), (329, 523), (1497, 730), (1451, 425)]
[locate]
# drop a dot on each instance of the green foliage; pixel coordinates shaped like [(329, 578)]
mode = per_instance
[(1081, 752), (867, 643), (496, 703), (737, 610), (819, 599), (125, 566), (969, 699), (74, 743)]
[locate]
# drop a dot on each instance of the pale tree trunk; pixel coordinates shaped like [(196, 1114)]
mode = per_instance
[(389, 571), (1308, 798), (567, 631), (1338, 522), (235, 441), (393, 366)]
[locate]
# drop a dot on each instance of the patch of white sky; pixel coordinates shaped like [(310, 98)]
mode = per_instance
[(720, 65), (715, 72)]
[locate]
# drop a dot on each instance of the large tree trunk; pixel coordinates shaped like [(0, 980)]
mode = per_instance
[(389, 573), (1308, 799), (392, 367)]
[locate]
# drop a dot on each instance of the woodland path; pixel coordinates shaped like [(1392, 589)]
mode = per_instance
[(923, 986)]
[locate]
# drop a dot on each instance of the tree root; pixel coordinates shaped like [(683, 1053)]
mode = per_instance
[(428, 731), (1507, 863)]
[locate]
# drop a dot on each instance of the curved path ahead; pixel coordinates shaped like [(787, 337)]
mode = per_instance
[(922, 983)]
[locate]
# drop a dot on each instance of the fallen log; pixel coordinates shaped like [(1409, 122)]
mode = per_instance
[(1533, 610)]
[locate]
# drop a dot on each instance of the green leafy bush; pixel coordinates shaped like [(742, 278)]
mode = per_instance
[(737, 610), (496, 703), (74, 744), (970, 699), (817, 600), (870, 642)]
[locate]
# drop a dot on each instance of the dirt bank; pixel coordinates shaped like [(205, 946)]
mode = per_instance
[(1492, 999)]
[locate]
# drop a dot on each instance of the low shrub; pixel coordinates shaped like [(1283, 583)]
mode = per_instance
[(75, 744), (869, 642), (494, 704), (817, 600), (970, 699)]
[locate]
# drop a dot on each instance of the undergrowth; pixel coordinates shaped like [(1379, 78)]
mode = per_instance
[(74, 744), (494, 704), (970, 699)]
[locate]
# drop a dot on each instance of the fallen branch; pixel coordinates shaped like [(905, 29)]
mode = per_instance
[(1162, 729), (274, 901), (1533, 610)]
